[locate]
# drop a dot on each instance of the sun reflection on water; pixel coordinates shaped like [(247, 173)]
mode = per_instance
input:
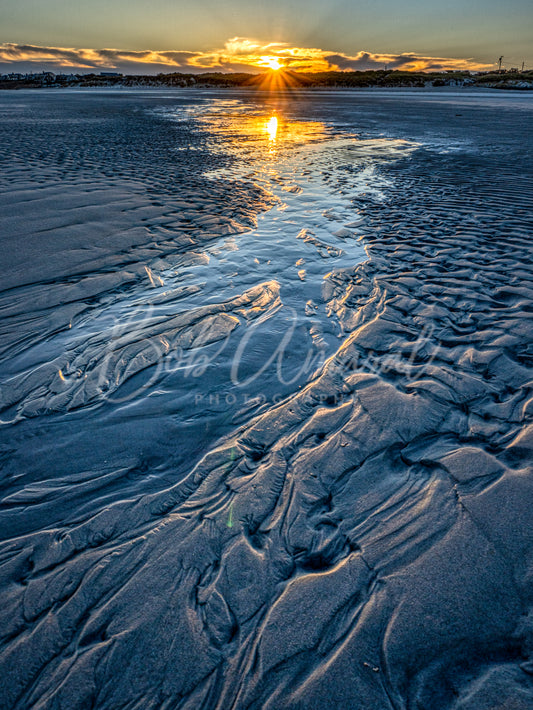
[(262, 135), (277, 132), (272, 128), (252, 128)]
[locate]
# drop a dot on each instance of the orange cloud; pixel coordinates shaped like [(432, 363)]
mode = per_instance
[(238, 54)]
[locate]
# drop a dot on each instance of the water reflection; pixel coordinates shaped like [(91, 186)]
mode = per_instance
[(254, 128), (272, 128), (282, 131)]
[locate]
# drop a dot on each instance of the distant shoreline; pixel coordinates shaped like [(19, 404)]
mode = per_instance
[(521, 81)]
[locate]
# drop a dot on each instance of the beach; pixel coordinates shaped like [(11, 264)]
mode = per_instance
[(266, 399)]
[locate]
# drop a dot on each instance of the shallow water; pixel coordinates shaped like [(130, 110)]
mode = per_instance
[(339, 283), (299, 230)]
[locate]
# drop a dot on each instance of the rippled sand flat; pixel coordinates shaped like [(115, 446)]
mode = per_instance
[(266, 400)]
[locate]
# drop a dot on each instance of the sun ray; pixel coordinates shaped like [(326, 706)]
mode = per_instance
[(277, 80)]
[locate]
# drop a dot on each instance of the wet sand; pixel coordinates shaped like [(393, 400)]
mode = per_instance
[(199, 510)]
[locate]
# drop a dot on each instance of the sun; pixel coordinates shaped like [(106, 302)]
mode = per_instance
[(271, 62)]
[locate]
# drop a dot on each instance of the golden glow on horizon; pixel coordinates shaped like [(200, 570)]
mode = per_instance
[(277, 80), (238, 54)]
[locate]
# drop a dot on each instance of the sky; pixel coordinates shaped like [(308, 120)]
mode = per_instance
[(135, 36)]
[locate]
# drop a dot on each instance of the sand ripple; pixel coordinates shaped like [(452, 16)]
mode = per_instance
[(364, 543)]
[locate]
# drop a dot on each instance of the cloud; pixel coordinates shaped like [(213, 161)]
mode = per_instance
[(407, 62), (67, 57), (238, 54)]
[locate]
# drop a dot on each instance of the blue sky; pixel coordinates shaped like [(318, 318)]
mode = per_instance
[(467, 30)]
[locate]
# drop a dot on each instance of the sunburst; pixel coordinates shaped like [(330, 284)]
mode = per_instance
[(271, 63)]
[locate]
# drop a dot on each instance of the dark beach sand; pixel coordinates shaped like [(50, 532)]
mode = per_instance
[(201, 511)]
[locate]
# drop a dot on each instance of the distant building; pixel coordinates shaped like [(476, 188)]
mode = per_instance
[(110, 73)]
